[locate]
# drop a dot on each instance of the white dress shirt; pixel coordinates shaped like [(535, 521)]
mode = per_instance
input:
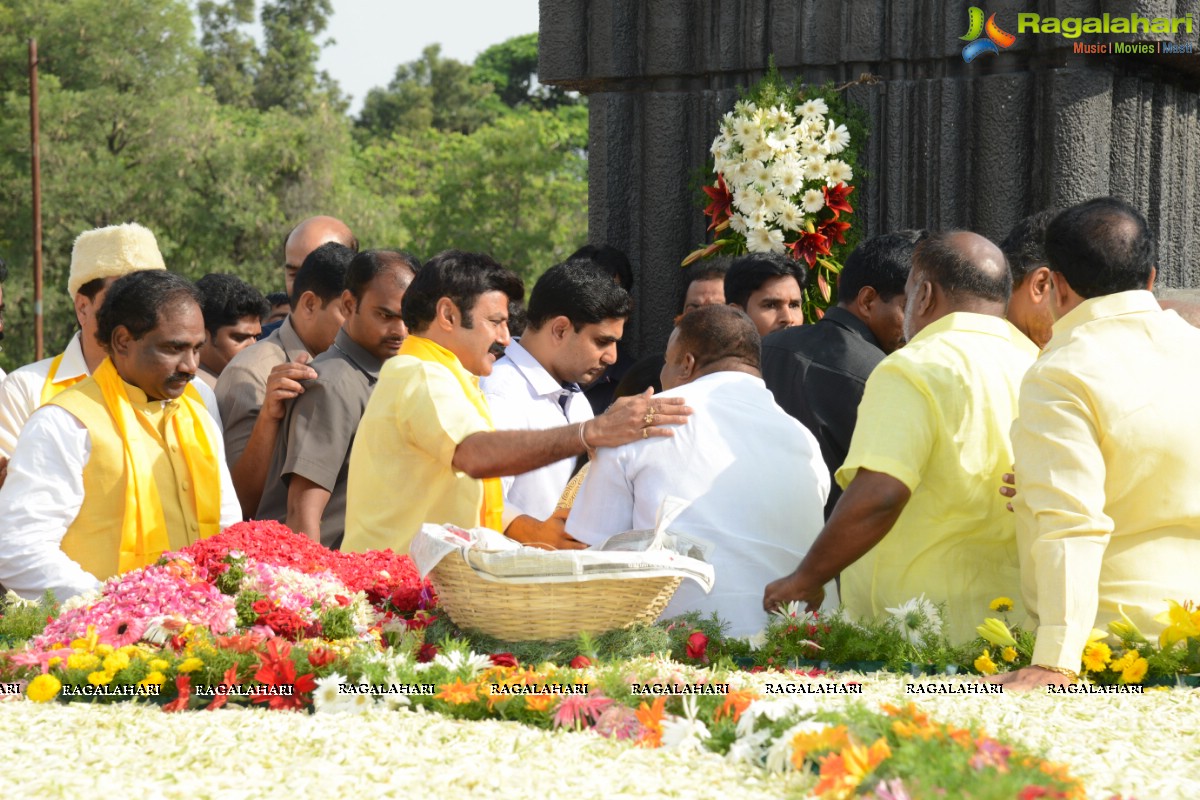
[(43, 495), (21, 392), (524, 396), (755, 481)]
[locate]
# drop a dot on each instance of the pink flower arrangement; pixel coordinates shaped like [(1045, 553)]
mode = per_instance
[(129, 603)]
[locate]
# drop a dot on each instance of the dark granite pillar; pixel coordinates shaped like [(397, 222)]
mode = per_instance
[(951, 144)]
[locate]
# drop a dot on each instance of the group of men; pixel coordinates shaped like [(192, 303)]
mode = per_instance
[(868, 451)]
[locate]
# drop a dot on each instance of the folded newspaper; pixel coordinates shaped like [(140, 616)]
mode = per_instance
[(632, 554)]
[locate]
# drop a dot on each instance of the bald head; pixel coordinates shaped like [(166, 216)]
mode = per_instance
[(711, 339), (308, 236), (955, 271)]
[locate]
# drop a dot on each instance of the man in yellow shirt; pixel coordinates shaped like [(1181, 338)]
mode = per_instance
[(127, 463), (1107, 445), (920, 513), (426, 450)]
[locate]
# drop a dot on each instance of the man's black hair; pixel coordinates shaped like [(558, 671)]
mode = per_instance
[(578, 291), (367, 265), (461, 277), (1102, 246), (710, 269), (713, 333), (227, 299), (608, 258), (946, 266), (1025, 245), (881, 262), (278, 299), (323, 273), (135, 301), (748, 273)]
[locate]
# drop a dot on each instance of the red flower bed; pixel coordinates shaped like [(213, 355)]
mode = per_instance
[(391, 581)]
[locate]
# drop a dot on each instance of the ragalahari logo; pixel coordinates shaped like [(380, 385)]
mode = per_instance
[(997, 39)]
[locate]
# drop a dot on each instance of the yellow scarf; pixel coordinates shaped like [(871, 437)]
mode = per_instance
[(421, 348), (143, 529), (50, 388)]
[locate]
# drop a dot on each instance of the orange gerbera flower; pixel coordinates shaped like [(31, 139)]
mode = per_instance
[(458, 693), (806, 743), (651, 718), (842, 773), (735, 703)]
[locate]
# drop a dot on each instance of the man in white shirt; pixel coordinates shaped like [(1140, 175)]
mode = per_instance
[(576, 316), (99, 257), (753, 476), (124, 465)]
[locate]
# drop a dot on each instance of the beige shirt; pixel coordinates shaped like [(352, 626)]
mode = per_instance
[(1107, 451), (242, 386)]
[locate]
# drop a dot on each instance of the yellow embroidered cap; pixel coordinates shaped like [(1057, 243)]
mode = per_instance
[(112, 252)]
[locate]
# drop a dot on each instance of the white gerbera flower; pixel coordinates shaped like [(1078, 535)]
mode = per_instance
[(759, 151), (790, 217), (760, 173), (747, 200), (360, 703), (738, 175), (917, 620), (837, 171), (738, 224), (814, 168), (780, 141), (814, 201), (836, 138), (327, 696), (814, 147), (779, 117), (788, 177), (773, 204), (814, 106), (746, 132), (765, 240)]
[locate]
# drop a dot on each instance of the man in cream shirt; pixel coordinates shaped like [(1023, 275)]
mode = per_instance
[(753, 476), (1107, 445)]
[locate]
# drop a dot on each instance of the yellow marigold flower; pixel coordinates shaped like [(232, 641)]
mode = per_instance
[(43, 688), (82, 661), (985, 665), (1122, 663), (1001, 604), (101, 678), (155, 678), (1096, 656), (190, 665), (54, 662), (81, 645), (1135, 671), (159, 664), (456, 694), (1009, 654), (129, 651), (115, 662), (103, 650)]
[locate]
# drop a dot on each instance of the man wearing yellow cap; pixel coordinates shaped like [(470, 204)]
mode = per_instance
[(126, 464), (99, 257)]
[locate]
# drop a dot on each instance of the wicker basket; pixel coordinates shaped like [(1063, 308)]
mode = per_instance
[(519, 612)]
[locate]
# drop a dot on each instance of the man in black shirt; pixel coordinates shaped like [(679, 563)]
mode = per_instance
[(817, 372)]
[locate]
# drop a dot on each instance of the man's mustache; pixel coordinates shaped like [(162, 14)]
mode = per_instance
[(497, 350)]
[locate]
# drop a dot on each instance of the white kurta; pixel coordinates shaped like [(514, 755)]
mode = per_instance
[(755, 481)]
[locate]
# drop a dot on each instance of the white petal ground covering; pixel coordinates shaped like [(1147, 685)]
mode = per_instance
[(1145, 746)]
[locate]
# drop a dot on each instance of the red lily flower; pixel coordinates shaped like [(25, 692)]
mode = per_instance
[(722, 201), (808, 246), (183, 683), (228, 680), (835, 198), (834, 229)]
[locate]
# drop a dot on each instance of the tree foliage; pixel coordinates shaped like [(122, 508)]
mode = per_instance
[(143, 120)]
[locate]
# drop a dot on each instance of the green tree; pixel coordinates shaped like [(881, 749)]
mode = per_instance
[(288, 76), (230, 57), (511, 69), (432, 91)]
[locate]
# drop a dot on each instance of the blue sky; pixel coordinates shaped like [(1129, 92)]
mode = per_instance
[(374, 36)]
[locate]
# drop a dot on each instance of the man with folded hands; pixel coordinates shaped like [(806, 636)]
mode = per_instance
[(752, 476), (127, 463), (427, 449)]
